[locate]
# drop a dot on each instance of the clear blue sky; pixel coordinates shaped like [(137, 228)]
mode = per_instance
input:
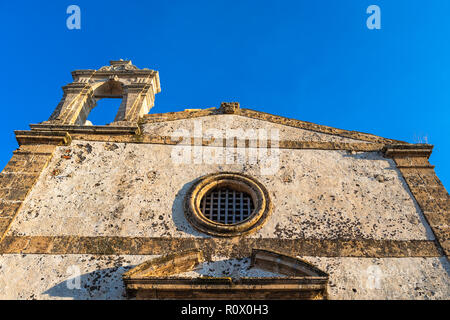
[(310, 60)]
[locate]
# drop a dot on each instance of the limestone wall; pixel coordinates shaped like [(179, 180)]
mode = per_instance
[(52, 276), (104, 189)]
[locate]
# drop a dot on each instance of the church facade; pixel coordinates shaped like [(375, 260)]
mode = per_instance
[(217, 203)]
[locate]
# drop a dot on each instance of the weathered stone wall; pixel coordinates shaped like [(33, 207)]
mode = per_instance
[(349, 213), (103, 189), (47, 276)]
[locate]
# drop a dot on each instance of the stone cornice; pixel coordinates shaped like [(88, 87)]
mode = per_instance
[(130, 132), (126, 128), (108, 73), (408, 150), (231, 248), (42, 137)]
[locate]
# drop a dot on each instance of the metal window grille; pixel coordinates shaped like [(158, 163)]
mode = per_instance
[(227, 206)]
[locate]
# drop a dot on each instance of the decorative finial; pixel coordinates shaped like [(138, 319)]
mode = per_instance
[(229, 107), (119, 65)]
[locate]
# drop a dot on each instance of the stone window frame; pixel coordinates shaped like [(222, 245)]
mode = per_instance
[(239, 182)]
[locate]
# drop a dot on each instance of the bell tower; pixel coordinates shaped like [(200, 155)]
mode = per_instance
[(121, 79)]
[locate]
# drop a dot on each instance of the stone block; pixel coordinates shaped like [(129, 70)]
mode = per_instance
[(16, 165), (437, 218), (9, 209), (6, 179), (445, 244), (38, 244), (13, 245), (442, 232), (430, 205), (16, 194), (4, 225)]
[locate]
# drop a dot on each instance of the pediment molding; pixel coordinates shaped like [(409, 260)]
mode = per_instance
[(156, 279), (259, 115)]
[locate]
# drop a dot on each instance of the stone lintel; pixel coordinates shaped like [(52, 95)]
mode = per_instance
[(224, 288)]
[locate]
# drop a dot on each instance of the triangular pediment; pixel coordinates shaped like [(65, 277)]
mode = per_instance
[(193, 120)]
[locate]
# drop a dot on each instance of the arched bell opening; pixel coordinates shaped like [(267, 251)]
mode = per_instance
[(107, 99)]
